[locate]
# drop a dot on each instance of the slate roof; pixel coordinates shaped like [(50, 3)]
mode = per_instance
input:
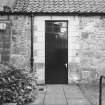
[(61, 6)]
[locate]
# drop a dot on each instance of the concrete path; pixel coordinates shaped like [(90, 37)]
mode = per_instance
[(61, 95), (91, 91)]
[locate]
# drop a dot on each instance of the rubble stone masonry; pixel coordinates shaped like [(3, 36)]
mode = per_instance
[(21, 41), (86, 46)]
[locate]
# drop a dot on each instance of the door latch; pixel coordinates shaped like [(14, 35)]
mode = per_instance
[(65, 65)]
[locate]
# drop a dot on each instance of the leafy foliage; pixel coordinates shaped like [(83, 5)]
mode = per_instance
[(16, 85)]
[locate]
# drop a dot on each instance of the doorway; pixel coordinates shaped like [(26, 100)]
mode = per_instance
[(56, 52)]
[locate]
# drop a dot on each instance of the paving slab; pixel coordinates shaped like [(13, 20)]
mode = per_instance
[(41, 95), (73, 92), (91, 92), (39, 100), (55, 95), (61, 95), (78, 102), (75, 96)]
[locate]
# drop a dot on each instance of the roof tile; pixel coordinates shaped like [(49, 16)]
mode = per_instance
[(60, 6)]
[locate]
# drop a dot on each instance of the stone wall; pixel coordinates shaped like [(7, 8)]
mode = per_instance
[(92, 46), (87, 55), (5, 39), (15, 41), (86, 46), (20, 41), (39, 47), (86, 52)]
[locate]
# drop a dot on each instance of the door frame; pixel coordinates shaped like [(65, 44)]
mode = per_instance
[(45, 44)]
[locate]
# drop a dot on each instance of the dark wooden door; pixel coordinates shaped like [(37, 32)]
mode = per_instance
[(56, 52)]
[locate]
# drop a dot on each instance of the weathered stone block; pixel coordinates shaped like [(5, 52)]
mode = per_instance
[(84, 35)]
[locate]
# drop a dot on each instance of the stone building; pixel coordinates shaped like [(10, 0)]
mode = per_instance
[(69, 39)]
